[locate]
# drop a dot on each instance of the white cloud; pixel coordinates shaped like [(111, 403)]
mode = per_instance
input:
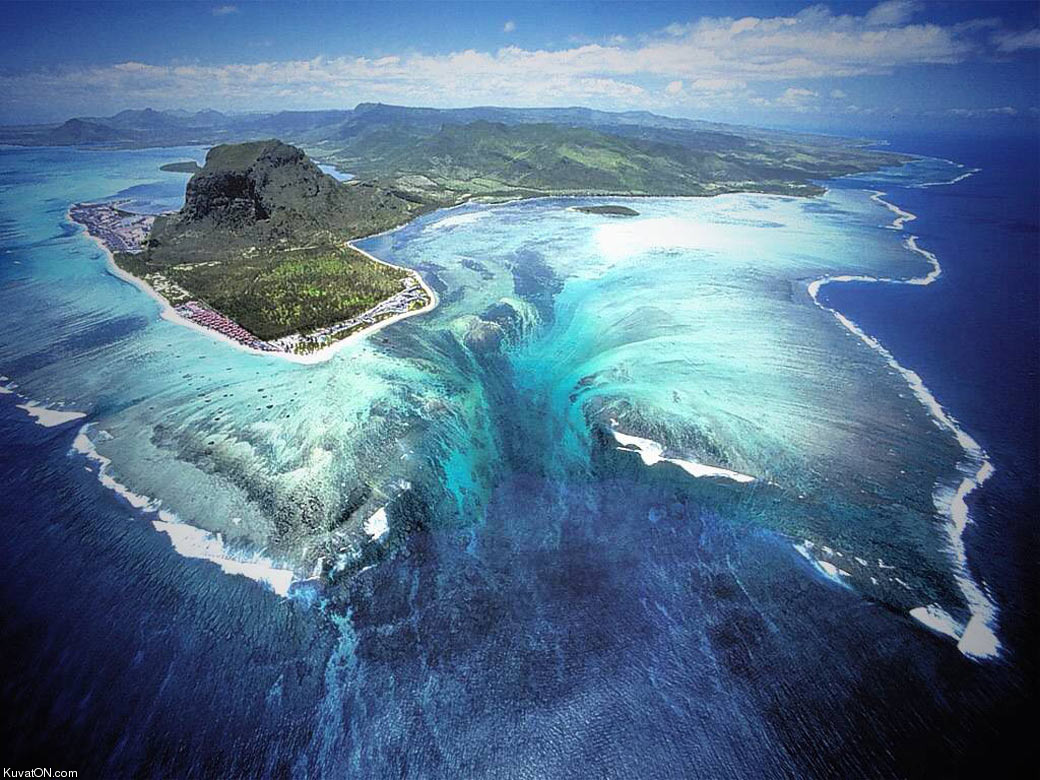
[(1011, 41), (742, 25), (892, 12), (704, 62), (718, 85), (890, 111), (797, 97), (982, 113), (510, 76), (224, 10), (799, 93)]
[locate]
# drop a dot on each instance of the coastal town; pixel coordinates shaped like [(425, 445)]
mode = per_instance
[(203, 315), (120, 230)]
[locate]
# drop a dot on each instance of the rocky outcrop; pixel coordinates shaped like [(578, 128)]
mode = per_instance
[(242, 185), (270, 194)]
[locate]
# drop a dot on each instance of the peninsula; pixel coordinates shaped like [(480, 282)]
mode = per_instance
[(189, 166), (260, 253)]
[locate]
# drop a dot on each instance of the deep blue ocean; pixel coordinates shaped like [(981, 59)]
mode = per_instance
[(976, 338), (601, 620)]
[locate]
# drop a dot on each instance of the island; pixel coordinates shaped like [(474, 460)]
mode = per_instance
[(608, 210), (189, 166)]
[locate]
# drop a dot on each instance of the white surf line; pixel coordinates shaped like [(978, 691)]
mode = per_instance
[(378, 525), (188, 540), (650, 452), (962, 177), (41, 414), (826, 568), (902, 217), (49, 418), (978, 638)]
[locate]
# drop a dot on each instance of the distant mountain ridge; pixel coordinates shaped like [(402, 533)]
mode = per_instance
[(76, 132), (151, 127), (438, 157)]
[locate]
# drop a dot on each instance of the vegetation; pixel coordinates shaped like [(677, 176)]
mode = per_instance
[(278, 293), (499, 160), (609, 210), (441, 156), (268, 195)]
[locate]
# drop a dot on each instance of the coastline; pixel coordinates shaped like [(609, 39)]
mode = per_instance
[(170, 314), (977, 638)]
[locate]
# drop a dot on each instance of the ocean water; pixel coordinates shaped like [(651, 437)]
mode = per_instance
[(627, 503)]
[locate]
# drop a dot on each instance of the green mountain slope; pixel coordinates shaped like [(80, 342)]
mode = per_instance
[(500, 160), (269, 194), (442, 155)]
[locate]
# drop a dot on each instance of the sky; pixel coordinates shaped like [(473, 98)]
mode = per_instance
[(837, 66)]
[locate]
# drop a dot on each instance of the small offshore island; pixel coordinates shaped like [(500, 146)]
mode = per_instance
[(609, 210)]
